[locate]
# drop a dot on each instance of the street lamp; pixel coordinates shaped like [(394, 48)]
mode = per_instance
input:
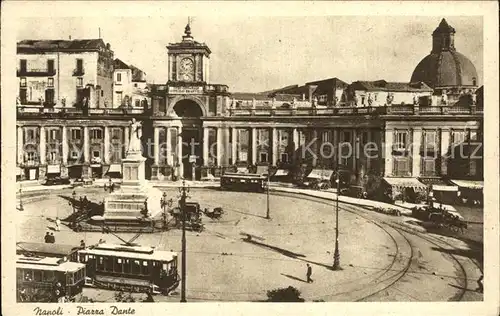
[(336, 255), (183, 191), (267, 192), (21, 207)]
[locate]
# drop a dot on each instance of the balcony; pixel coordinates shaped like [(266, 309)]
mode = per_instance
[(36, 72), (78, 72)]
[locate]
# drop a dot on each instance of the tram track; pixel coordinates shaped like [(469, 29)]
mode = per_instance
[(399, 275)]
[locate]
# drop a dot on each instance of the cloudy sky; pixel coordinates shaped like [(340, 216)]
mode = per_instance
[(255, 53)]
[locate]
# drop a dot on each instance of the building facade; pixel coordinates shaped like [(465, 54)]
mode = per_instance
[(130, 89), (196, 129)]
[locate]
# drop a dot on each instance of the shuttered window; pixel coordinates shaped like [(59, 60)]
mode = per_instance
[(401, 167)]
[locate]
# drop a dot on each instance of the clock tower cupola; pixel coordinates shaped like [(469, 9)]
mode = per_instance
[(188, 60)]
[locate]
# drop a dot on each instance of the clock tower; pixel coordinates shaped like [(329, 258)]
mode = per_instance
[(188, 61)]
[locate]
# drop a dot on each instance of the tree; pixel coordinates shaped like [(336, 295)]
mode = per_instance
[(288, 294)]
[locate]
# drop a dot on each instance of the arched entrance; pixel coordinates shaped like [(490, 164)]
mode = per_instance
[(190, 112)]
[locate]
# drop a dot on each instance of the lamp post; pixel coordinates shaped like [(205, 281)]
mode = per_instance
[(183, 190), (267, 192), (21, 207), (336, 255)]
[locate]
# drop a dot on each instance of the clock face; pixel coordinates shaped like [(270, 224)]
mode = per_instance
[(186, 69)]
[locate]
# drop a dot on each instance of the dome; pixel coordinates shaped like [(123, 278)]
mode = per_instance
[(445, 69)]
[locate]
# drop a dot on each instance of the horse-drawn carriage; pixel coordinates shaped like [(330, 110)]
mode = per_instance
[(442, 216), (192, 216), (214, 214)]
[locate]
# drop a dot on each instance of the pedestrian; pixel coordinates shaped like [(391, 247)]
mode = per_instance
[(47, 238), (52, 238), (309, 273), (58, 223), (480, 284)]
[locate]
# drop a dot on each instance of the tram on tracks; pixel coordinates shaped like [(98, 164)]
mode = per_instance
[(130, 268), (47, 279), (66, 252), (243, 182)]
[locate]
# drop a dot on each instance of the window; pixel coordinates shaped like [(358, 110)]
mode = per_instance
[(118, 77), (96, 134), (401, 140), (263, 157), (53, 156), (79, 65), (50, 82), (23, 65), (37, 275), (31, 157), (346, 136), (79, 82), (76, 134), (363, 100), (74, 154), (430, 140), (458, 137), (96, 153), (23, 82), (284, 157), (49, 96), (53, 135), (30, 135), (474, 81), (116, 133), (137, 103), (135, 85), (23, 96), (50, 65), (375, 95), (119, 97), (102, 93)]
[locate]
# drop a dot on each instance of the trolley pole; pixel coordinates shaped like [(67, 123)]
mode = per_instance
[(268, 181), (336, 255), (183, 267)]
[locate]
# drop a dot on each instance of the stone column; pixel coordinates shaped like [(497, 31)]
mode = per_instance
[(388, 151), (107, 143), (254, 145), (170, 162), (234, 145), (179, 152), (206, 149), (226, 151), (274, 150), (20, 145), (444, 150), (65, 148), (127, 139), (355, 153), (336, 146), (219, 146), (86, 148), (314, 147), (156, 145), (416, 159), (43, 146), (368, 153)]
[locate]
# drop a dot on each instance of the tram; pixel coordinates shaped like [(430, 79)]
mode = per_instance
[(66, 252), (130, 268), (47, 279), (242, 182)]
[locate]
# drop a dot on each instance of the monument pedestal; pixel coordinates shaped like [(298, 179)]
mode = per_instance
[(126, 206)]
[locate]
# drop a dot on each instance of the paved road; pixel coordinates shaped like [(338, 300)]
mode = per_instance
[(381, 261)]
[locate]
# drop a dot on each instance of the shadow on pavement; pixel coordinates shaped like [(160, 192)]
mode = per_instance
[(294, 278)]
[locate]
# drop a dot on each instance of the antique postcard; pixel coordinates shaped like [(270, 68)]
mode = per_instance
[(327, 153)]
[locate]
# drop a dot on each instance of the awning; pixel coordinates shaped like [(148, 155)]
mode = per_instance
[(405, 183), (54, 169), (281, 173), (450, 188), (115, 168), (322, 174), (469, 184)]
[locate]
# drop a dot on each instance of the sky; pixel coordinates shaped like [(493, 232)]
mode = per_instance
[(256, 53)]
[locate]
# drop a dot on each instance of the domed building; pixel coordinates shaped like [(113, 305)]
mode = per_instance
[(445, 69)]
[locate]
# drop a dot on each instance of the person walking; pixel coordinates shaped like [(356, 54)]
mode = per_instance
[(309, 273), (58, 223), (47, 238)]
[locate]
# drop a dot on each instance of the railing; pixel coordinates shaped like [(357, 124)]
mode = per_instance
[(79, 72), (71, 111), (33, 72)]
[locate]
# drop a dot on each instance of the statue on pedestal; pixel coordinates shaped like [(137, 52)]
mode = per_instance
[(134, 144)]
